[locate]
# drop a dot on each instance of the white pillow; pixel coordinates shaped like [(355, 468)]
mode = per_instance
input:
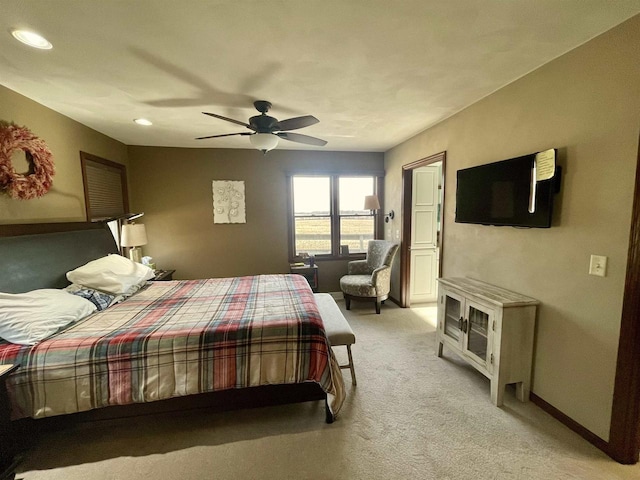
[(112, 274), (27, 318)]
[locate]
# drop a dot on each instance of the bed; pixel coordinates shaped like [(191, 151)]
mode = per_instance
[(170, 339)]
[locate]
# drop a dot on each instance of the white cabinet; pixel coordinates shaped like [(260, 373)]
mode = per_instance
[(491, 328)]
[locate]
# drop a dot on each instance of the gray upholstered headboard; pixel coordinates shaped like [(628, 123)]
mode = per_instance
[(28, 262)]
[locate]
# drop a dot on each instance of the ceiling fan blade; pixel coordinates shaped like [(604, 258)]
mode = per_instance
[(224, 135), (237, 122), (296, 122), (297, 137)]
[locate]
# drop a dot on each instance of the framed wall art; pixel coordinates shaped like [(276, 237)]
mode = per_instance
[(228, 201)]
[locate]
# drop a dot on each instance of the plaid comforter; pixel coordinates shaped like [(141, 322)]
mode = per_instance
[(178, 338)]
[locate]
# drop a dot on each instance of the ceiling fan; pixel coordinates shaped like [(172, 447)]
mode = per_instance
[(266, 130)]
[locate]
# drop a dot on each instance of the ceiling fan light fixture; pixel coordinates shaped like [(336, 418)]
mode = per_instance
[(264, 141)]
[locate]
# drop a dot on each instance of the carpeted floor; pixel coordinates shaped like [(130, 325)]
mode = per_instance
[(412, 416)]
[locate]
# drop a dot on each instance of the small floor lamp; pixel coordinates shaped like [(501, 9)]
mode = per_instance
[(134, 235)]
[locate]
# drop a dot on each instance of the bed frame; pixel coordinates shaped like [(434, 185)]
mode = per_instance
[(38, 256)]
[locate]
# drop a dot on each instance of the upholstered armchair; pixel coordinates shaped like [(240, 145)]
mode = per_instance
[(370, 279)]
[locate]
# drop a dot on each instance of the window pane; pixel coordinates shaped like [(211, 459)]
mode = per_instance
[(352, 193), (313, 235), (311, 196), (356, 232)]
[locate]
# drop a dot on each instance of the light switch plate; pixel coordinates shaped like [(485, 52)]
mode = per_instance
[(598, 265)]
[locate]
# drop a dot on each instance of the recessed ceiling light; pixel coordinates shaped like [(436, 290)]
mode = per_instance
[(32, 39), (143, 121)]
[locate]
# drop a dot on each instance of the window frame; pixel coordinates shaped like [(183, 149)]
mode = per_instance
[(334, 213), (122, 169)]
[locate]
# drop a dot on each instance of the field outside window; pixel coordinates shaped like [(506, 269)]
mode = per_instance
[(328, 213)]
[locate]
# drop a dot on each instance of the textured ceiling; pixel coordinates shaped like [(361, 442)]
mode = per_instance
[(374, 72)]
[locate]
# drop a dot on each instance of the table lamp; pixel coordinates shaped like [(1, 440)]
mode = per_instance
[(134, 235)]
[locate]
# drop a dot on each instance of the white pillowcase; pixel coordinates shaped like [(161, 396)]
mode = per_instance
[(27, 318), (112, 274)]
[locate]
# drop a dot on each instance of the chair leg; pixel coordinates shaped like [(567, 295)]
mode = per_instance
[(347, 302), (351, 367), (377, 306)]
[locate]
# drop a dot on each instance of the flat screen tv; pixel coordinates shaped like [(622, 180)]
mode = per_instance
[(505, 194)]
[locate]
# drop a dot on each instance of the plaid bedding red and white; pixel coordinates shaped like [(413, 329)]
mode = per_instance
[(178, 338)]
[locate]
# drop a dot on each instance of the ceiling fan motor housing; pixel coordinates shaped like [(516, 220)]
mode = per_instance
[(263, 123)]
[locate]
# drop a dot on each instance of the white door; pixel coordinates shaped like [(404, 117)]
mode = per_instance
[(424, 234)]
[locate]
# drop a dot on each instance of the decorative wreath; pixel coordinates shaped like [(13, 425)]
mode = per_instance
[(39, 179)]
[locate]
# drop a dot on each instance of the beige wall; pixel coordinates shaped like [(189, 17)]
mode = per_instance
[(173, 187), (65, 138), (587, 104)]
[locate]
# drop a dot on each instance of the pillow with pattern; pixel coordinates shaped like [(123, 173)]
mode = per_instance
[(100, 299)]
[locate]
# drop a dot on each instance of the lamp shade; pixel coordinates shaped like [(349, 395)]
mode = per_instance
[(133, 235), (264, 141), (371, 202)]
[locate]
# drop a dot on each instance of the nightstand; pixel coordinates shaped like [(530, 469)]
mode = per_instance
[(7, 451), (163, 275), (308, 272)]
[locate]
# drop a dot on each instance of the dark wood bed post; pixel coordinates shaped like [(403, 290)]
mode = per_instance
[(329, 416)]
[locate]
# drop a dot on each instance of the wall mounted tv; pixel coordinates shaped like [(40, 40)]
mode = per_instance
[(506, 194)]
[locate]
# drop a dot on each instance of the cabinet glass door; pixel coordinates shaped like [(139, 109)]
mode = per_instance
[(478, 334), (452, 316)]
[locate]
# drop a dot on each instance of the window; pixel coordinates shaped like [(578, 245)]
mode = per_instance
[(327, 214), (105, 187), (105, 192)]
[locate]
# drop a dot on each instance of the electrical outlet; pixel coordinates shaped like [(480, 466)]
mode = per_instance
[(598, 265)]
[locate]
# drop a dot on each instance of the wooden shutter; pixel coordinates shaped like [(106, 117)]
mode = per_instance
[(105, 187)]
